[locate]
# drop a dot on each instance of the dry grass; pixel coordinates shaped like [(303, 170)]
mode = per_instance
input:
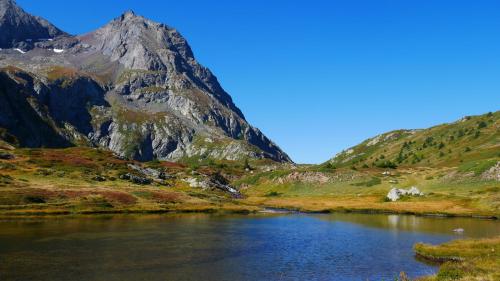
[(370, 204), (63, 180), (59, 72), (464, 259)]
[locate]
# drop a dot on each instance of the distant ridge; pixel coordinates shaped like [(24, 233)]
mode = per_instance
[(470, 138)]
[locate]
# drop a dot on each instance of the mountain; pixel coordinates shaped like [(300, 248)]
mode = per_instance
[(20, 29), (132, 86), (468, 139)]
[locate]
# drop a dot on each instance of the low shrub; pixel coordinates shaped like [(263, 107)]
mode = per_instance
[(273, 194)]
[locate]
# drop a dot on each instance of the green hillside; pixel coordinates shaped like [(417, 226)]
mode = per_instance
[(456, 166), (472, 138)]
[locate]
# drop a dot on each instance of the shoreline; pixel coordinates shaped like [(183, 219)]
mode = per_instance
[(260, 209), (462, 259)]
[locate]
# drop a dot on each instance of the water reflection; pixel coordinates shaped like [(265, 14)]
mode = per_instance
[(207, 247), (473, 228)]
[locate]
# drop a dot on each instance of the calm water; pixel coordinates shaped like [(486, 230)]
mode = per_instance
[(207, 247)]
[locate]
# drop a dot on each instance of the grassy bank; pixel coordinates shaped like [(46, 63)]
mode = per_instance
[(309, 189), (85, 181), (374, 204), (464, 259), (90, 181)]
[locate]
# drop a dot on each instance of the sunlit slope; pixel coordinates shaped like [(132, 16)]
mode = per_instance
[(471, 138)]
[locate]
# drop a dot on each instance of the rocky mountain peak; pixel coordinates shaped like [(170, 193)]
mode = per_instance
[(128, 15), (5, 5), (132, 86), (139, 43), (20, 29)]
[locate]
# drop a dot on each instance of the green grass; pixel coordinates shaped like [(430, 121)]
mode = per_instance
[(153, 89), (471, 139), (40, 178), (464, 259), (128, 74), (62, 181), (372, 182), (478, 167)]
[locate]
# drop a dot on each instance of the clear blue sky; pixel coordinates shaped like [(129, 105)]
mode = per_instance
[(320, 76)]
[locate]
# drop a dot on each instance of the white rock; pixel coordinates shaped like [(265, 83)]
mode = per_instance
[(58, 51), (414, 191), (193, 182), (374, 140), (396, 193), (20, 51)]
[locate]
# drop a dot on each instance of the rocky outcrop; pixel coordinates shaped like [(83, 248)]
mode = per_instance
[(20, 29), (492, 173), (396, 193), (318, 177), (136, 179), (23, 116), (132, 86), (215, 181), (6, 156)]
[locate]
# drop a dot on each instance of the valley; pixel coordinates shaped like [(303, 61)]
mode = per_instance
[(87, 180), (124, 158)]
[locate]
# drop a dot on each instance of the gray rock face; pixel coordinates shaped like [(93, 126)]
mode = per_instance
[(162, 54), (20, 29), (23, 117), (132, 86), (215, 181)]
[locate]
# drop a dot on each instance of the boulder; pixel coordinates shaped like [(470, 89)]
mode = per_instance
[(194, 182), (414, 191), (150, 172), (6, 156), (492, 173), (215, 181), (396, 193), (136, 179), (99, 178)]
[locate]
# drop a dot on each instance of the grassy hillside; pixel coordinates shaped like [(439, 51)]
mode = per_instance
[(473, 138), (86, 180), (457, 166), (464, 181)]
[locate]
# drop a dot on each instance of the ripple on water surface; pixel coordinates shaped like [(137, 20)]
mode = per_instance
[(208, 247)]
